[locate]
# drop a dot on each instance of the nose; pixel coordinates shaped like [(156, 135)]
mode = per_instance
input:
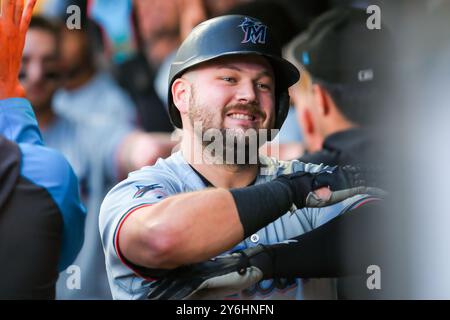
[(35, 72), (246, 93)]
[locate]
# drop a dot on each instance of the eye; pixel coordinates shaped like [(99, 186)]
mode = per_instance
[(264, 86), (229, 79)]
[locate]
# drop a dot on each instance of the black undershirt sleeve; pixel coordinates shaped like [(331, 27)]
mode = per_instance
[(344, 246)]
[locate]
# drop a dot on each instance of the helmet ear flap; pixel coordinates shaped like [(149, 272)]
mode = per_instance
[(282, 109), (284, 101)]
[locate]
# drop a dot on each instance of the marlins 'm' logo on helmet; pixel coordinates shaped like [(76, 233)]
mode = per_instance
[(254, 30)]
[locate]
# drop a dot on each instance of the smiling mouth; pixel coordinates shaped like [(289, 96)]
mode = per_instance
[(242, 116), (246, 115)]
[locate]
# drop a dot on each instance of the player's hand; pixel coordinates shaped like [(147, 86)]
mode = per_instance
[(331, 185), (216, 278), (14, 21)]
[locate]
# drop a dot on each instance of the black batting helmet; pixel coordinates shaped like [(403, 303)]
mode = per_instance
[(234, 35)]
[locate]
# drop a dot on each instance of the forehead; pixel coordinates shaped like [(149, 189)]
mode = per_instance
[(40, 42), (244, 63)]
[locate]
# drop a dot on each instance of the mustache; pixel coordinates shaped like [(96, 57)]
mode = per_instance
[(250, 108)]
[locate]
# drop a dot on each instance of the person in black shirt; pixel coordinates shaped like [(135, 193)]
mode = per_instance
[(344, 81)]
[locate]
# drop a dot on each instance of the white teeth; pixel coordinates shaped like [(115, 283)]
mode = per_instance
[(239, 116)]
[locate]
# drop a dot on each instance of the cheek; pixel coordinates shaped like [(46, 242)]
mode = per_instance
[(296, 98), (268, 104), (303, 102), (216, 98)]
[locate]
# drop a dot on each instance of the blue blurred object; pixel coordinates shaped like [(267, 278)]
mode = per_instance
[(52, 8), (290, 132), (115, 18)]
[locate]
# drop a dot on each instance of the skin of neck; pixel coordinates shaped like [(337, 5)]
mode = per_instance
[(45, 117), (220, 175), (335, 121)]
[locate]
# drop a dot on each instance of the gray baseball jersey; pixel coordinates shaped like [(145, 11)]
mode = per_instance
[(172, 176)]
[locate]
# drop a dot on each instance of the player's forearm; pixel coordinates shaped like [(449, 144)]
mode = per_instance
[(193, 227), (182, 229), (198, 226)]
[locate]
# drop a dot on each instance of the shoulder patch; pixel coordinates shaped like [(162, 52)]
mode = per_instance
[(142, 190)]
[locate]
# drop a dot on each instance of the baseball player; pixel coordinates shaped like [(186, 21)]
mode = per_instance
[(228, 76)]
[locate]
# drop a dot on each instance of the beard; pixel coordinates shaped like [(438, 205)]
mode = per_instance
[(230, 146)]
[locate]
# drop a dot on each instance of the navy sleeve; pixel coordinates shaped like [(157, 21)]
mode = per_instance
[(344, 246), (48, 169)]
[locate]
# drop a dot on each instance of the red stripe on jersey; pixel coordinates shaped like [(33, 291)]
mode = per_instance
[(116, 242), (363, 202)]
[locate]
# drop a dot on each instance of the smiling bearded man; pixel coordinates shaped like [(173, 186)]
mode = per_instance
[(228, 76)]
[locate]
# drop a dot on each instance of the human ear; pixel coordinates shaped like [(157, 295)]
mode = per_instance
[(181, 93), (307, 122), (320, 99)]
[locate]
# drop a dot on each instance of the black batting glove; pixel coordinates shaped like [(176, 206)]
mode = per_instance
[(215, 278), (343, 182)]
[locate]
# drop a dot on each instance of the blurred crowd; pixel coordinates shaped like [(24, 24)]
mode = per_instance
[(99, 93)]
